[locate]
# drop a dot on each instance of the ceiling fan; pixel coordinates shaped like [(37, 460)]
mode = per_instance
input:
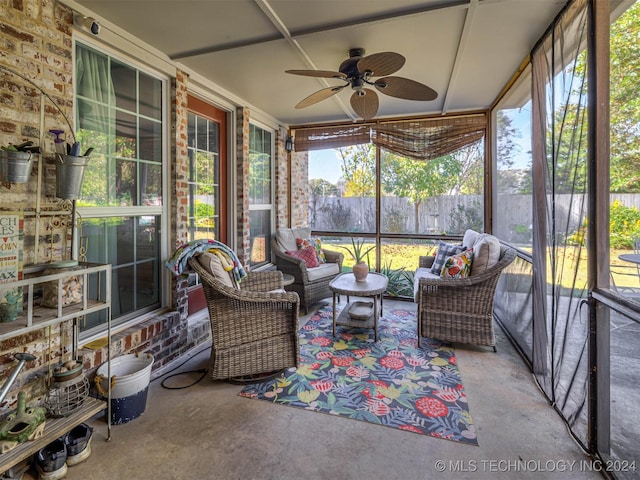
[(358, 72)]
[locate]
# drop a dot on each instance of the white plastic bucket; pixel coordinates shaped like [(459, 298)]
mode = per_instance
[(130, 375)]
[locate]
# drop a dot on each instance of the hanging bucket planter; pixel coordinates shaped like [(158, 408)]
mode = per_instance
[(69, 174), (130, 377), (15, 167)]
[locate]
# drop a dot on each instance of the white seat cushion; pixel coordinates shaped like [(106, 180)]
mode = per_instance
[(212, 264), (486, 253), (421, 272), (286, 237), (323, 270), (470, 238)]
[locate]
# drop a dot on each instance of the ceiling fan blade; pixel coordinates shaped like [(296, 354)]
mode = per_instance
[(400, 87), (318, 73), (384, 63), (365, 103), (319, 96)]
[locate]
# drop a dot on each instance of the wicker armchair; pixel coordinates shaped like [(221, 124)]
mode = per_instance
[(254, 330), (461, 309), (311, 284)]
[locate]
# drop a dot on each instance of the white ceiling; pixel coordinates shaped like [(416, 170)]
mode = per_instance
[(466, 50)]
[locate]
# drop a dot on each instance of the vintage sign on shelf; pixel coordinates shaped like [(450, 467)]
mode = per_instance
[(11, 235)]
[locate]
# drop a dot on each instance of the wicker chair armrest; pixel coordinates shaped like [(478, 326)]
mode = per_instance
[(269, 297), (246, 295), (291, 265), (485, 276), (426, 261), (334, 257), (262, 281)]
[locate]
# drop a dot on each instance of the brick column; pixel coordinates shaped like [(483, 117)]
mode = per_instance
[(243, 239), (179, 161), (300, 189)]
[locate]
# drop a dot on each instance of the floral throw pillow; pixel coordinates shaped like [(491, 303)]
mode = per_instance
[(458, 266), (444, 250), (316, 243), (307, 254)]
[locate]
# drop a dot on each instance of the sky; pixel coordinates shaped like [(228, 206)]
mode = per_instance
[(325, 164)]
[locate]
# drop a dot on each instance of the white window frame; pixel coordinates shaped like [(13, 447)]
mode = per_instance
[(267, 206), (133, 318)]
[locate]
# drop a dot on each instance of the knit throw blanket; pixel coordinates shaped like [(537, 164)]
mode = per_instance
[(177, 263)]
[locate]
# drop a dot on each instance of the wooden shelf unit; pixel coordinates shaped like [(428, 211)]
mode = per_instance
[(35, 317), (54, 428)]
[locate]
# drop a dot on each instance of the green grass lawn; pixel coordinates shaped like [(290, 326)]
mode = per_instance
[(403, 256)]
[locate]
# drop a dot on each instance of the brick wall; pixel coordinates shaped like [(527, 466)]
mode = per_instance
[(36, 94), (242, 185), (299, 189), (36, 42), (282, 184)]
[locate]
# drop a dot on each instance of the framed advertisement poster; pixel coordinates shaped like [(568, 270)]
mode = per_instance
[(11, 235)]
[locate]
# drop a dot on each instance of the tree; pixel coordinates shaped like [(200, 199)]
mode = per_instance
[(625, 101), (419, 179), (359, 170), (470, 180), (359, 173), (510, 179), (318, 187)]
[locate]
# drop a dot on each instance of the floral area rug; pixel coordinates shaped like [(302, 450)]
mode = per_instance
[(391, 382)]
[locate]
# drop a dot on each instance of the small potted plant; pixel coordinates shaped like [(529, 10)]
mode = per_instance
[(9, 305), (358, 252)]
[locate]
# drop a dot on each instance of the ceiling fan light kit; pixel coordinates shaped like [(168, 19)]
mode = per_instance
[(357, 72)]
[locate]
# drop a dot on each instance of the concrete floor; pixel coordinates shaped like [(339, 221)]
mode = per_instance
[(208, 432)]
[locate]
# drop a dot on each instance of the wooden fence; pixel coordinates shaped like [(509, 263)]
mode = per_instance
[(448, 214)]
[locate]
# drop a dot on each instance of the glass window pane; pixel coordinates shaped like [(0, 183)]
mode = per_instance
[(440, 196), (203, 178), (260, 179), (126, 134), (513, 219), (124, 84), (124, 296), (214, 134), (325, 186), (124, 126), (151, 184), (399, 259), (204, 168), (132, 246), (191, 130), (260, 167), (342, 186), (260, 196), (147, 292), (624, 178), (150, 96), (147, 234), (124, 235), (126, 183), (150, 134), (201, 133), (260, 225), (94, 187)]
